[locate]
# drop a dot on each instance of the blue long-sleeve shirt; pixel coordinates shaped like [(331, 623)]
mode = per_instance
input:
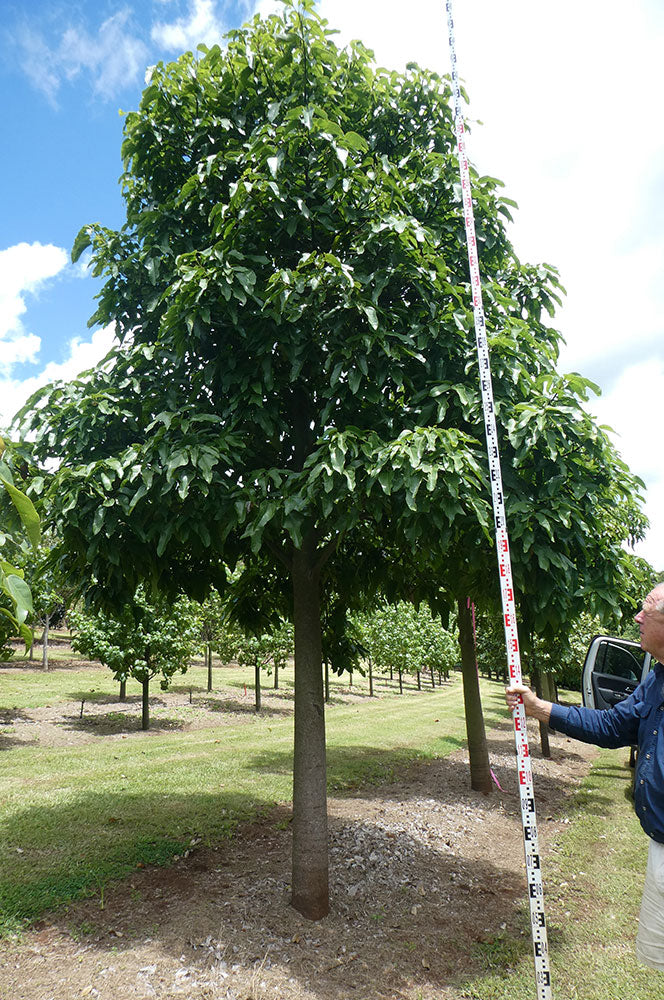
[(636, 721)]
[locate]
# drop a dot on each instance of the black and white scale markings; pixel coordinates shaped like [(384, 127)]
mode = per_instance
[(528, 817)]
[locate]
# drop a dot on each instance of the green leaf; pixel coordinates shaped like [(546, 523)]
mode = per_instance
[(98, 520), (27, 513), (19, 592), (371, 315), (81, 243)]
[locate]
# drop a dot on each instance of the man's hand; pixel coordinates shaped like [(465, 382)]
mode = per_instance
[(534, 706)]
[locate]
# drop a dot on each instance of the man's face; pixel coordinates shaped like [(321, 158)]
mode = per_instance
[(651, 624)]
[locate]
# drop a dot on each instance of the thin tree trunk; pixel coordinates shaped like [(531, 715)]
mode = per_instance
[(433, 683), (208, 657), (257, 686), (310, 879), (350, 678), (123, 690), (47, 623), (145, 704), (276, 677), (370, 678), (480, 770), (549, 686), (536, 678), (419, 681), (400, 680)]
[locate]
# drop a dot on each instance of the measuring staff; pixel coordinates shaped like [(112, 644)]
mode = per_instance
[(528, 818)]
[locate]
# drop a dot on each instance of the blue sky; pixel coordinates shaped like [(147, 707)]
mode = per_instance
[(570, 98)]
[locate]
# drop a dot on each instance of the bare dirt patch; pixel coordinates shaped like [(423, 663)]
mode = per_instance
[(425, 875)]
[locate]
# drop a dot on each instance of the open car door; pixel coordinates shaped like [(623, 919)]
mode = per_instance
[(613, 669)]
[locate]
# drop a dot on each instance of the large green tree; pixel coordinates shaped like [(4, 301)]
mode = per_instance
[(294, 382)]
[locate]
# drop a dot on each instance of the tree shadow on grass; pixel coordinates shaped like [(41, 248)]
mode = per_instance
[(114, 723), (104, 697), (231, 705), (184, 688), (407, 913), (368, 771), (109, 835), (8, 716), (55, 663), (280, 694)]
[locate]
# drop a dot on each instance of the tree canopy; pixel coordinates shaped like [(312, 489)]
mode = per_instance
[(294, 383)]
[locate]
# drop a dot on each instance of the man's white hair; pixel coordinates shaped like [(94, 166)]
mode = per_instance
[(658, 591)]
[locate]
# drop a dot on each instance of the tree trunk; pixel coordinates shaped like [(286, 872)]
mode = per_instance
[(257, 686), (208, 657), (276, 677), (310, 845), (47, 623), (433, 683), (400, 680), (549, 686), (419, 681), (350, 678), (145, 705), (123, 690), (370, 678), (480, 770), (536, 678)]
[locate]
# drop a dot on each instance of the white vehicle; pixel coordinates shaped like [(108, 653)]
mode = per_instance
[(613, 668)]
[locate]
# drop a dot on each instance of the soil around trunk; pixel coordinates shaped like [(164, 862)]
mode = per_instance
[(424, 875)]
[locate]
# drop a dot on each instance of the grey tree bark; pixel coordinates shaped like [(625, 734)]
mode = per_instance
[(480, 770), (310, 889)]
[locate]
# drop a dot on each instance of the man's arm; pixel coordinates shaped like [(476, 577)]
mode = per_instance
[(609, 727), (535, 707)]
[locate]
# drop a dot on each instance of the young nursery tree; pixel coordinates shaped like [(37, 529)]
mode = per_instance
[(295, 370), (145, 639), (268, 652), (215, 631)]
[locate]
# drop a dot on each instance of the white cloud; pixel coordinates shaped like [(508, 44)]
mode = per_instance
[(24, 270), (83, 354), (111, 58), (39, 63), (267, 7), (18, 350), (633, 409), (201, 25)]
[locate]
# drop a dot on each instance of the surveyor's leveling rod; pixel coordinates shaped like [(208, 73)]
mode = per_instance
[(528, 818)]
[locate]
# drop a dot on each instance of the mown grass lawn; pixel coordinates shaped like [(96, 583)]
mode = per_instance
[(75, 817)]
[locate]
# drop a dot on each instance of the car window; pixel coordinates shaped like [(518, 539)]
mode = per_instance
[(616, 661)]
